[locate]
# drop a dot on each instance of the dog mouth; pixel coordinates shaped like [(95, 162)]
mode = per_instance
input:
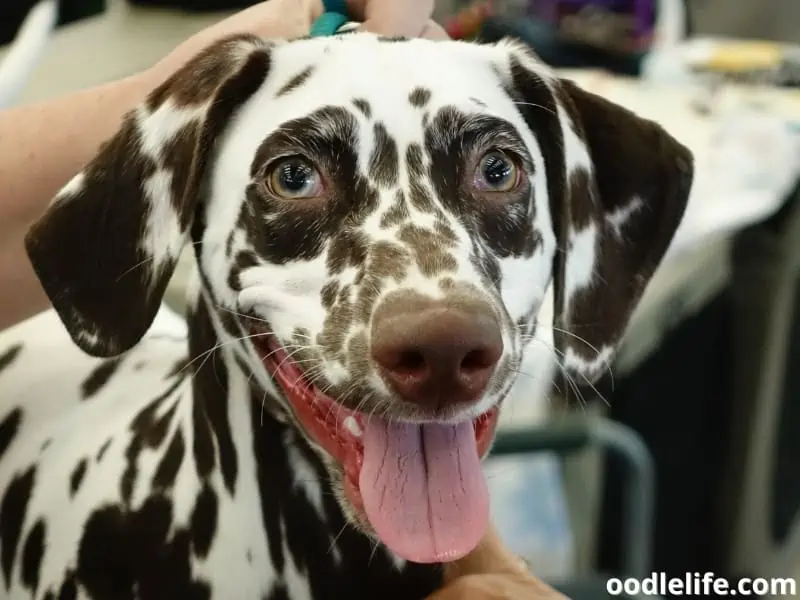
[(419, 486)]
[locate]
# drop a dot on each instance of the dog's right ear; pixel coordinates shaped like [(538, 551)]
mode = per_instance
[(106, 247)]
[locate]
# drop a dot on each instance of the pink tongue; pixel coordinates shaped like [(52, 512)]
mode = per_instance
[(423, 489)]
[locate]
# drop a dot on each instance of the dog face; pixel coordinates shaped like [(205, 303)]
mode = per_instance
[(375, 224)]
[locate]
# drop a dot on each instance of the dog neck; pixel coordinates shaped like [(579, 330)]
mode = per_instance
[(302, 519)]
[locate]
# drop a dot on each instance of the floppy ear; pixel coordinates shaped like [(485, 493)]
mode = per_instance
[(107, 245), (618, 186)]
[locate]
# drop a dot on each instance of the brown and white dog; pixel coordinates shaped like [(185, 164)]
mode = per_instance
[(375, 222)]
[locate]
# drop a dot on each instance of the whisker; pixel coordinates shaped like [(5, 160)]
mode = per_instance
[(147, 260), (337, 536), (544, 108), (221, 345), (574, 384), (607, 363)]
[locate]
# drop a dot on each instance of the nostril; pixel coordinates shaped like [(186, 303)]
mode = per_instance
[(478, 360), (411, 361), (404, 363)]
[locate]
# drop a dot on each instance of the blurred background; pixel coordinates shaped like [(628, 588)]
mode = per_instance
[(688, 459)]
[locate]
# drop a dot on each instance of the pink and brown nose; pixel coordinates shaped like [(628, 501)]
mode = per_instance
[(434, 353)]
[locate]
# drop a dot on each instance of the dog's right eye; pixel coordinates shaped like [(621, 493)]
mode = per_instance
[(496, 172), (294, 178)]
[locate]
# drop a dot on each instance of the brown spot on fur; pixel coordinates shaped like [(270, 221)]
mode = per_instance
[(295, 82), (397, 212), (198, 80), (429, 250), (363, 106), (357, 351), (581, 192), (148, 430), (344, 293), (383, 163), (419, 97), (334, 330), (177, 157), (230, 323), (9, 355), (329, 293), (368, 294), (388, 261), (414, 157), (448, 234), (418, 194), (420, 198), (348, 249)]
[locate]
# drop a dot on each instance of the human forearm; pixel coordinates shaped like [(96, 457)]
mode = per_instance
[(42, 145)]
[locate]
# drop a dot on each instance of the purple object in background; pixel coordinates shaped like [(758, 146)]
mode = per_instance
[(619, 26)]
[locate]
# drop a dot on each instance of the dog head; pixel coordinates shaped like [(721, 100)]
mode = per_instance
[(375, 224)]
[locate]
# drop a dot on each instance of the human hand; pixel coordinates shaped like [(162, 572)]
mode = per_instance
[(492, 572), (410, 18), (276, 19), (287, 19)]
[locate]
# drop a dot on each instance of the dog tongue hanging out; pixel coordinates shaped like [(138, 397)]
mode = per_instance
[(423, 488)]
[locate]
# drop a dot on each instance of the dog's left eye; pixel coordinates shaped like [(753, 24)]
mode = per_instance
[(294, 178), (496, 172)]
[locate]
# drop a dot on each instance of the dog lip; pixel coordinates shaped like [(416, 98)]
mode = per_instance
[(326, 420), (323, 416)]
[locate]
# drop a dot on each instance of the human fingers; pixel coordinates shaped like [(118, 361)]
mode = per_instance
[(495, 586), (392, 17), (490, 556), (434, 31)]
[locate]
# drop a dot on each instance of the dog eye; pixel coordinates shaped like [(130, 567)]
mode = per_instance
[(496, 172), (294, 178)]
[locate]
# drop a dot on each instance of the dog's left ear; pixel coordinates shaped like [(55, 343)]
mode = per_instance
[(618, 186), (106, 247)]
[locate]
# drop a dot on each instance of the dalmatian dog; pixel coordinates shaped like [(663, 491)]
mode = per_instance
[(375, 222)]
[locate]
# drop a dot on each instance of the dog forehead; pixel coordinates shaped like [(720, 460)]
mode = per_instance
[(400, 84), (364, 64)]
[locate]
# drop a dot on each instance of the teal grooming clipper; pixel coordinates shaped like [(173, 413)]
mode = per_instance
[(334, 17)]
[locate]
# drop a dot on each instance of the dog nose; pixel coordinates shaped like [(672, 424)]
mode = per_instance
[(438, 355)]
